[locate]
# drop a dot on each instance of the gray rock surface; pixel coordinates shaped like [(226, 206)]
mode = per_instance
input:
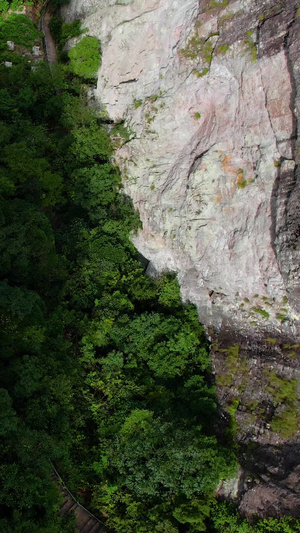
[(210, 163)]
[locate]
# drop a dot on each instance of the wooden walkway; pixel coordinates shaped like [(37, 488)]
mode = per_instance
[(86, 522), (50, 47)]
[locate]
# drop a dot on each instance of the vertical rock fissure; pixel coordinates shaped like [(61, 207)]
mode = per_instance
[(285, 228), (293, 84)]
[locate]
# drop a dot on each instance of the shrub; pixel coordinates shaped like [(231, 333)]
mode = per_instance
[(18, 28), (55, 27), (85, 57), (61, 31), (14, 5)]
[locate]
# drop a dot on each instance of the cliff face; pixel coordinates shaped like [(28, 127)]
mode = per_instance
[(209, 95), (208, 91)]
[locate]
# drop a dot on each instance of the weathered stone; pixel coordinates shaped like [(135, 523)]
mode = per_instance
[(36, 51), (10, 45), (230, 488), (267, 500)]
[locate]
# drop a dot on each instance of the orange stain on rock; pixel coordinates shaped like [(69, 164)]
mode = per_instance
[(227, 164)]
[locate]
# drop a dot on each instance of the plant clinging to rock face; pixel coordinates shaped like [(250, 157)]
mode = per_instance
[(85, 57)]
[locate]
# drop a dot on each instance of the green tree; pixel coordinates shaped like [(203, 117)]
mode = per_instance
[(85, 57)]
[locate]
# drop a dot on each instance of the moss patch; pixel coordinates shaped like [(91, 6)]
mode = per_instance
[(261, 312), (285, 395), (222, 49), (286, 423), (233, 366), (271, 341), (214, 4), (137, 103), (251, 45)]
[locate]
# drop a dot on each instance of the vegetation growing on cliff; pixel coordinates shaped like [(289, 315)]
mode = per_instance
[(62, 31), (105, 373), (225, 520), (85, 57)]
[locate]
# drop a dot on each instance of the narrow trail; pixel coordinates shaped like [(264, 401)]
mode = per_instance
[(86, 522), (50, 48)]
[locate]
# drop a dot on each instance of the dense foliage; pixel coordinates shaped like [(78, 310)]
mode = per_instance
[(19, 29), (62, 31), (224, 519), (85, 57), (104, 372), (13, 5)]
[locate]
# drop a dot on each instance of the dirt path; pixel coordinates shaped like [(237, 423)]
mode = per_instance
[(51, 55)]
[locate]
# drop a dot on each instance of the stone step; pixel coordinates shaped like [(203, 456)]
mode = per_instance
[(85, 523), (82, 518), (68, 507), (98, 528), (88, 525)]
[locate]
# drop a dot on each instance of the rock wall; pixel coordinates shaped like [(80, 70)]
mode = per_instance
[(209, 93)]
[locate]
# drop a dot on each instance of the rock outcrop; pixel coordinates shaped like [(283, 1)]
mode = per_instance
[(209, 93)]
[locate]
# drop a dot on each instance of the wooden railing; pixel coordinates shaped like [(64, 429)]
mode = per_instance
[(86, 522), (50, 49)]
